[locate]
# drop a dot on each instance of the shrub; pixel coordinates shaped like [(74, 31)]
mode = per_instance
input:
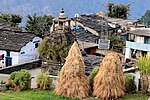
[(143, 64), (19, 80), (129, 82), (44, 81), (2, 82), (92, 75)]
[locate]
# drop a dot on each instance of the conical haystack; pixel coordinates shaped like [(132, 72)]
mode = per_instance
[(73, 82), (109, 83)]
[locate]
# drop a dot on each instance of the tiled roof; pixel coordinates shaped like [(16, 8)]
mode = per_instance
[(14, 40)]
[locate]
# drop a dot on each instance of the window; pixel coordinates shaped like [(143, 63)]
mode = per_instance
[(131, 37), (8, 53), (36, 45)]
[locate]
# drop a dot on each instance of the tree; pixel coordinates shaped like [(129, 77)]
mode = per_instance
[(143, 63), (109, 83), (118, 11), (12, 19), (39, 24), (73, 82), (145, 19), (53, 51), (116, 43)]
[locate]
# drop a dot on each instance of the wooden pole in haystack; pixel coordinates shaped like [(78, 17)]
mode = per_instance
[(109, 83), (73, 82)]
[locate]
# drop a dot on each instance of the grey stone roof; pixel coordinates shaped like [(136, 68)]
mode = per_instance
[(141, 32), (85, 35), (14, 40), (91, 61), (95, 22)]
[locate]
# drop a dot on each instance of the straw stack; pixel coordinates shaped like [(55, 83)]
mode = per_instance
[(73, 82), (109, 83)]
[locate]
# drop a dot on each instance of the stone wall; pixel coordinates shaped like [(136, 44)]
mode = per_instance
[(28, 65)]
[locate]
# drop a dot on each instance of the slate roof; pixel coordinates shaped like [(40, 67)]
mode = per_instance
[(85, 35), (14, 40), (141, 32), (5, 26), (91, 61), (95, 22)]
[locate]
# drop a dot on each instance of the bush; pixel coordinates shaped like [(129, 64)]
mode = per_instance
[(2, 82), (129, 83), (44, 81), (19, 80), (92, 75)]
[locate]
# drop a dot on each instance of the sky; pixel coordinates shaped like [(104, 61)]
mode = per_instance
[(71, 7)]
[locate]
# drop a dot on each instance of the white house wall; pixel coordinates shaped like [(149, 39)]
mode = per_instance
[(29, 52), (15, 57), (139, 39), (127, 53)]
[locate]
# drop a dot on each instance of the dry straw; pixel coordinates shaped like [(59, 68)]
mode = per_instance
[(109, 82), (73, 82)]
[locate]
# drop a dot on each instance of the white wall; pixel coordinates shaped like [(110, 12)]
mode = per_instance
[(139, 39), (15, 57), (127, 53), (30, 52)]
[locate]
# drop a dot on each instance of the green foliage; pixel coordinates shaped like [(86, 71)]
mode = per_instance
[(116, 41), (44, 81), (92, 75), (143, 63), (129, 82), (12, 19), (52, 51), (19, 80), (2, 82), (39, 24), (145, 19), (118, 11)]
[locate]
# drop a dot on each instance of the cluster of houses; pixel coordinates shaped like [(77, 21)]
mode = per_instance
[(90, 30)]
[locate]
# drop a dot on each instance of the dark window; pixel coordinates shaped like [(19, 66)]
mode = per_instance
[(131, 37), (8, 53), (36, 45)]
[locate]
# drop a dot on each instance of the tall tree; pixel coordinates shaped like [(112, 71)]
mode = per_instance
[(39, 24), (145, 19), (53, 51), (12, 19), (118, 11)]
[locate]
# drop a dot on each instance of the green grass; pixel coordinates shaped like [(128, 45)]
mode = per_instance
[(31, 95), (49, 95)]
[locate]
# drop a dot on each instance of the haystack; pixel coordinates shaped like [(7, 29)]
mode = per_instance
[(109, 83), (73, 82)]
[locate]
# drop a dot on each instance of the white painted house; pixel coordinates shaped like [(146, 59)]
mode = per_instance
[(18, 47), (138, 43)]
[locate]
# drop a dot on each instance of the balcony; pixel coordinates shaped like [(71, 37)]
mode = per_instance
[(138, 46)]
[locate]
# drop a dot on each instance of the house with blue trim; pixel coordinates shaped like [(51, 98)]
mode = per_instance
[(138, 43)]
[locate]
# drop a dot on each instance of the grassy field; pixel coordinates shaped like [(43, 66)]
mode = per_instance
[(49, 95)]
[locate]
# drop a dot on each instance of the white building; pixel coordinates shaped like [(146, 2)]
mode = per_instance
[(138, 43), (18, 47)]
